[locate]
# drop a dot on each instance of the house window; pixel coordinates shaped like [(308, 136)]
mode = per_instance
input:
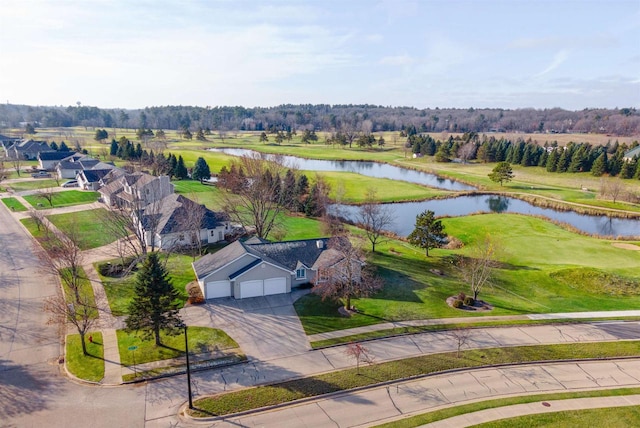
[(213, 233), (323, 275), (301, 273), (220, 236), (181, 237)]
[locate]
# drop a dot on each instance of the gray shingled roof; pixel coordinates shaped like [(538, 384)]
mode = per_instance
[(212, 262), (94, 175), (285, 255), (174, 210), (53, 156), (633, 152)]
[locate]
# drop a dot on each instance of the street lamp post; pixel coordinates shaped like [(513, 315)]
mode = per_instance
[(186, 347)]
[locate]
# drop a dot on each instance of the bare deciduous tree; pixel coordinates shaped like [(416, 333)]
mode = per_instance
[(611, 188), (79, 313), (255, 199), (345, 275), (375, 218), (16, 162), (62, 257), (193, 222), (461, 336), (477, 269), (46, 194), (467, 151), (359, 353)]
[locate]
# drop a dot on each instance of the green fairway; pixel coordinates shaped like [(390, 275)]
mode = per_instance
[(88, 367), (201, 339), (63, 199), (120, 291), (538, 261), (13, 204), (87, 226)]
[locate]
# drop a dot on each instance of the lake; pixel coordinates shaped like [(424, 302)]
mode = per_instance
[(369, 169), (405, 214)]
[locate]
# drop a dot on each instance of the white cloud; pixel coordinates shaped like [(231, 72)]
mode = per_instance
[(399, 60), (559, 58)]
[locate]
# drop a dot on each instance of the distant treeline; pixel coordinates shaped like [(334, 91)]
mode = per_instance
[(574, 157), (329, 118)]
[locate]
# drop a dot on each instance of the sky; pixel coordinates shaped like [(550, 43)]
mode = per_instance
[(421, 53)]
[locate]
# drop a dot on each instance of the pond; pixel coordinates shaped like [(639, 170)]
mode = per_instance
[(369, 169), (405, 214)]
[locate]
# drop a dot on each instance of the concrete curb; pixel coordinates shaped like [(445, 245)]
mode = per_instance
[(182, 410)]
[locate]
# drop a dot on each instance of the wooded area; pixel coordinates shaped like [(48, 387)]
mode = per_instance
[(329, 118)]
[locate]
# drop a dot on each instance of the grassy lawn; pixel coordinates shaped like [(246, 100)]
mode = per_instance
[(85, 289), (120, 290), (63, 199), (202, 193), (387, 190), (268, 395), (438, 415), (13, 204), (88, 367), (87, 224), (33, 228), (32, 184), (201, 339), (544, 269), (593, 418)]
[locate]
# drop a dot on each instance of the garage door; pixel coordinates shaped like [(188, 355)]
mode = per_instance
[(251, 289), (216, 289), (275, 286)]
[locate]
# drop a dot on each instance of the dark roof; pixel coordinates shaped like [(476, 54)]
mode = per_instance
[(53, 156), (289, 253), (32, 146), (286, 255), (173, 212), (94, 175)]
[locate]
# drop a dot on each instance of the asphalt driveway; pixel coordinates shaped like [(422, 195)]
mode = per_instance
[(264, 327)]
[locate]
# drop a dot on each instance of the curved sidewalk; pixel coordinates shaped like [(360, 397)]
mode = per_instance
[(377, 405), (441, 321), (517, 410)]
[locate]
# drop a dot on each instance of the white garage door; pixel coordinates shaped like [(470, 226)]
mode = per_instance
[(218, 289), (275, 286), (251, 289)]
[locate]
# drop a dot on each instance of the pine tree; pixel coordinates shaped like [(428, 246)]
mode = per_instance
[(501, 173), (201, 170), (552, 161), (63, 147), (600, 165), (288, 190), (628, 168), (113, 151), (428, 232), (155, 303), (180, 170)]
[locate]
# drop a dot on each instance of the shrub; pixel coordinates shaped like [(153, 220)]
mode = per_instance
[(195, 293), (118, 268), (469, 301), (457, 303), (462, 296)]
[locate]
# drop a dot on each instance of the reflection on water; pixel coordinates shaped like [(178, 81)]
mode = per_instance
[(370, 169), (405, 214)]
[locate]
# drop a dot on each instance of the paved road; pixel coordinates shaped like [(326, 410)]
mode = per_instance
[(34, 393), (384, 404)]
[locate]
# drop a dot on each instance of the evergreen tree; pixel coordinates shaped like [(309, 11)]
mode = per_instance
[(173, 163), (288, 190), (578, 160), (501, 173), (428, 232), (563, 161), (113, 151), (155, 302), (201, 170), (63, 147), (600, 165), (552, 161), (628, 168), (180, 170), (302, 189), (53, 146)]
